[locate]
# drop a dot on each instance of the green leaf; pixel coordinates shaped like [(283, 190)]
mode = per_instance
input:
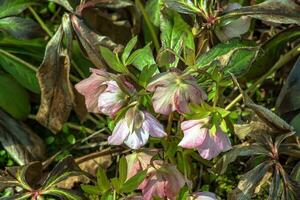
[(13, 7), (112, 60), (22, 71), (234, 56), (153, 8), (183, 194), (90, 189), (22, 144), (20, 27), (132, 184), (122, 170), (146, 74), (13, 97), (141, 58), (183, 6), (272, 48), (174, 32), (65, 194), (65, 3), (130, 45), (277, 11), (102, 180)]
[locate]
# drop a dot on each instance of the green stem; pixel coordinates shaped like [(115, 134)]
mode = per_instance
[(40, 21), (149, 24), (280, 63), (170, 121)]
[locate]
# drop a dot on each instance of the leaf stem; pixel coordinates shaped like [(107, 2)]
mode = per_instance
[(149, 25), (280, 63), (40, 21)]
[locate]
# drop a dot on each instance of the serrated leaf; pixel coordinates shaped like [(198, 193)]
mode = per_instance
[(14, 98), (20, 27), (102, 180), (153, 8), (112, 60), (57, 97), (19, 141), (22, 71), (141, 58), (130, 45), (146, 74), (234, 56), (13, 7), (133, 183), (122, 170), (90, 189), (174, 31), (277, 11)]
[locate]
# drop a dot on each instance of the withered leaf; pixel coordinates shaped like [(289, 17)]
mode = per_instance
[(57, 96), (91, 41), (19, 141), (277, 11)]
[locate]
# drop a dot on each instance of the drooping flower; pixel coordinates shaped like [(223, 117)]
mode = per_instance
[(139, 161), (163, 181), (134, 129), (209, 145), (203, 196), (112, 99), (174, 90), (92, 87), (235, 28)]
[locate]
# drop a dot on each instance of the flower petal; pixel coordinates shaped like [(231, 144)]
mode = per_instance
[(119, 134), (163, 100), (205, 196), (222, 140), (152, 126), (208, 149), (91, 88), (137, 139), (194, 134)]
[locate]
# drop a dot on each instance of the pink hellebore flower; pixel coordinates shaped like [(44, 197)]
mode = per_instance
[(134, 129), (208, 145), (112, 99), (163, 181), (92, 87), (174, 90), (203, 196)]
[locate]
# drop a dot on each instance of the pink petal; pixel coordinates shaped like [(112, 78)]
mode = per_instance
[(137, 139), (222, 141), (119, 134), (163, 100), (181, 101), (154, 188), (91, 88), (209, 149), (160, 80), (194, 134), (175, 181), (205, 196), (152, 126)]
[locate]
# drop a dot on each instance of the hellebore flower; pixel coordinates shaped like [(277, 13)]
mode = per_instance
[(174, 91), (235, 28), (203, 196), (139, 161), (163, 181), (134, 129), (197, 136), (92, 87), (112, 99)]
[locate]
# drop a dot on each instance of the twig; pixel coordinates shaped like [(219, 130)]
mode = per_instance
[(40, 21)]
